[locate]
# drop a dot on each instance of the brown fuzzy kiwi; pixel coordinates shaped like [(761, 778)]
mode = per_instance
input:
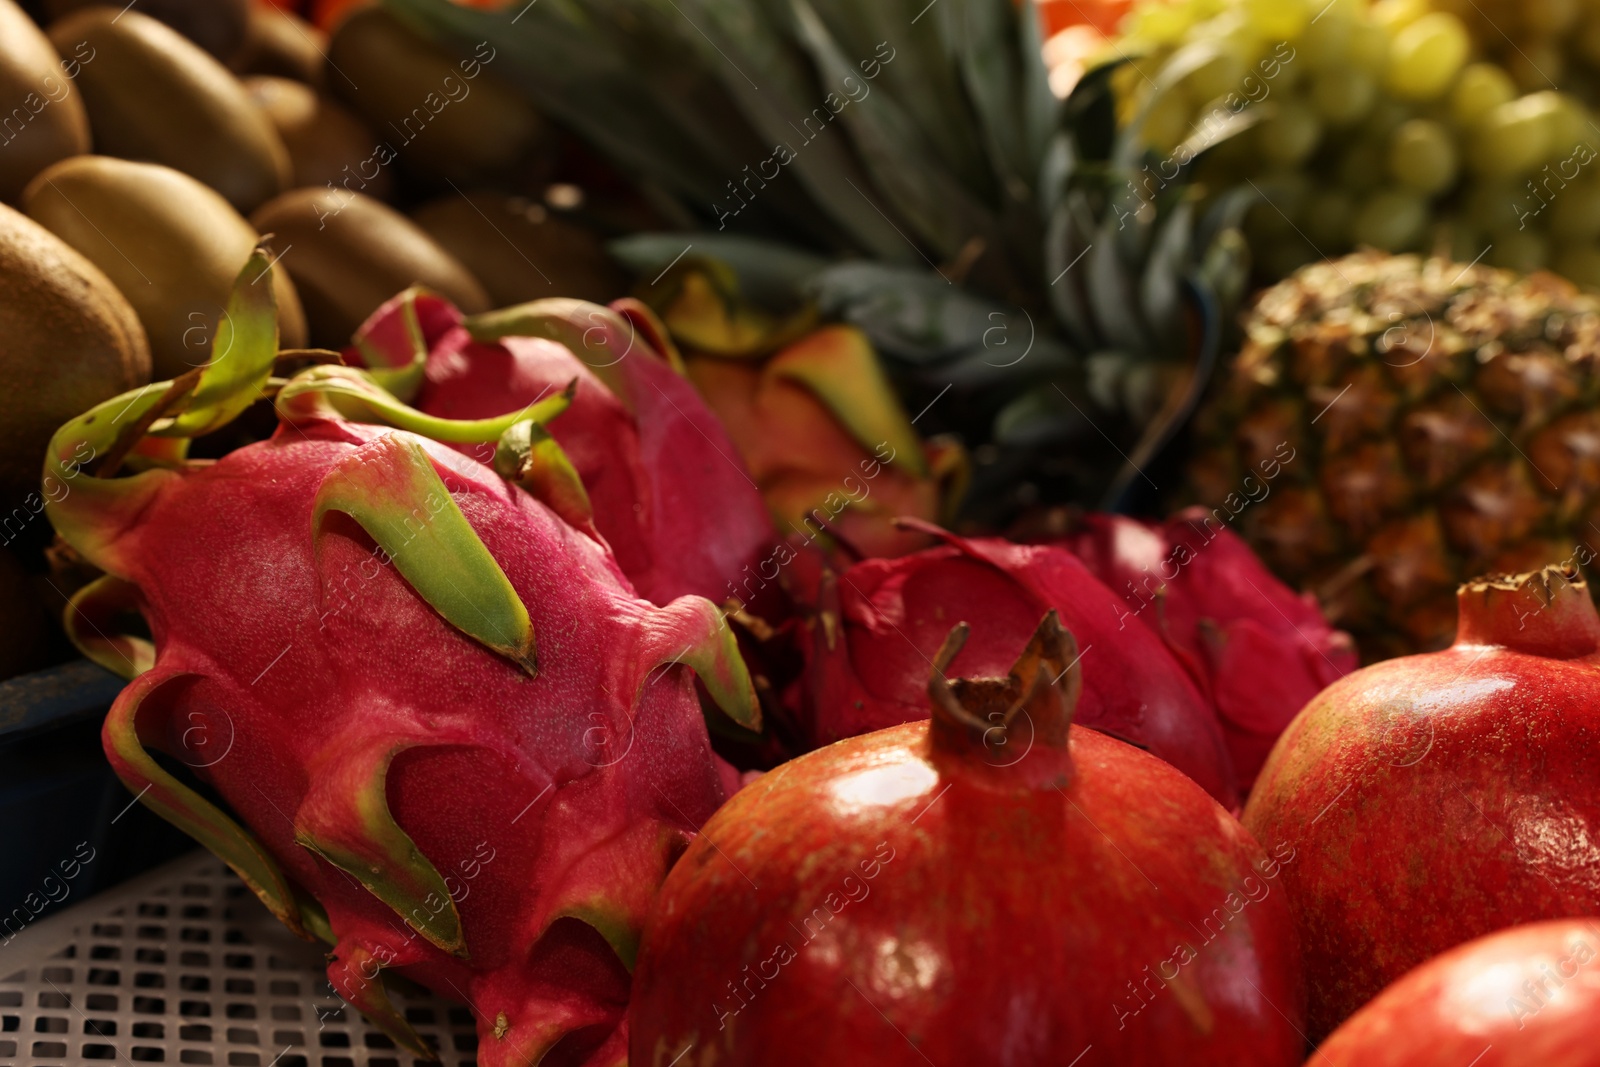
[(348, 253), (169, 243)]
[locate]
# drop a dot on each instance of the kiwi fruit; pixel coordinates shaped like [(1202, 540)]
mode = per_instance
[(348, 253), (71, 341), (41, 115), (153, 95), (445, 115), (283, 45), (218, 26), (172, 245), (327, 144), (520, 249)]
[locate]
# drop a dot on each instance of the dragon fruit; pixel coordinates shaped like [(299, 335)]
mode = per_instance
[(459, 746), (876, 626), (1223, 615), (666, 487), (814, 417)]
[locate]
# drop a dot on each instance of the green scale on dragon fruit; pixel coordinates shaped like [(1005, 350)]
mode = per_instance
[(457, 744), (669, 495)]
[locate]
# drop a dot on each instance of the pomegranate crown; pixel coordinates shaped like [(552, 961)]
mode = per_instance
[(1547, 612), (1018, 725)]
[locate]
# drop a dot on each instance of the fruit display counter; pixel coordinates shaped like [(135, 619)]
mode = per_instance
[(731, 534)]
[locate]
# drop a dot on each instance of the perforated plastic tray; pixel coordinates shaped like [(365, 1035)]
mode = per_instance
[(185, 965)]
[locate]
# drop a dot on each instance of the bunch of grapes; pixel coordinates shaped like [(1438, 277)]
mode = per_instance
[(1541, 43), (1378, 125)]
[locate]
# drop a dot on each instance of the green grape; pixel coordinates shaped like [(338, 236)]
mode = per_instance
[(1567, 123), (1325, 44), (1385, 117), (1361, 169), (1278, 20), (1201, 10), (1390, 219), (1549, 17), (1512, 138), (1493, 205), (1290, 134), (1575, 212), (1395, 15), (1422, 156), (1481, 86), (1369, 47), (1328, 215), (1579, 264), (1519, 250), (1426, 56), (1343, 95)]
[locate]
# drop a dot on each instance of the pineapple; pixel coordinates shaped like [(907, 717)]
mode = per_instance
[(1033, 281), (1396, 425)]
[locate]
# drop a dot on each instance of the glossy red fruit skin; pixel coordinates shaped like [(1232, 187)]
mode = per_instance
[(879, 623), (882, 901), (1528, 995), (1436, 798)]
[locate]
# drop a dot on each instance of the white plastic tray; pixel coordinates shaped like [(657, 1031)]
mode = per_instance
[(185, 965)]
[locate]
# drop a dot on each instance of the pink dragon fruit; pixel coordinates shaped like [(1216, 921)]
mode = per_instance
[(669, 493), (460, 747), (1258, 651), (877, 625)]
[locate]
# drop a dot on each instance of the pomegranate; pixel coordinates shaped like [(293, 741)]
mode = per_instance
[(988, 886), (1528, 995), (1436, 798)]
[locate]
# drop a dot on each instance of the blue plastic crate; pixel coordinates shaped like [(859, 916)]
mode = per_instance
[(59, 800)]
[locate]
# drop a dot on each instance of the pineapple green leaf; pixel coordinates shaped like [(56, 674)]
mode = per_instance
[(1131, 142), (768, 272), (1042, 415), (597, 67), (985, 49), (1041, 111), (1068, 240), (916, 66), (1109, 285), (911, 183), (1181, 398), (1161, 287), (918, 320), (787, 93)]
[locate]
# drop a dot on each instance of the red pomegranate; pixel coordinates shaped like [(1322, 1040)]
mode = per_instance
[(1528, 995), (1436, 798), (991, 886)]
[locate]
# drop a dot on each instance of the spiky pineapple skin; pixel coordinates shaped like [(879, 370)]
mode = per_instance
[(1393, 426)]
